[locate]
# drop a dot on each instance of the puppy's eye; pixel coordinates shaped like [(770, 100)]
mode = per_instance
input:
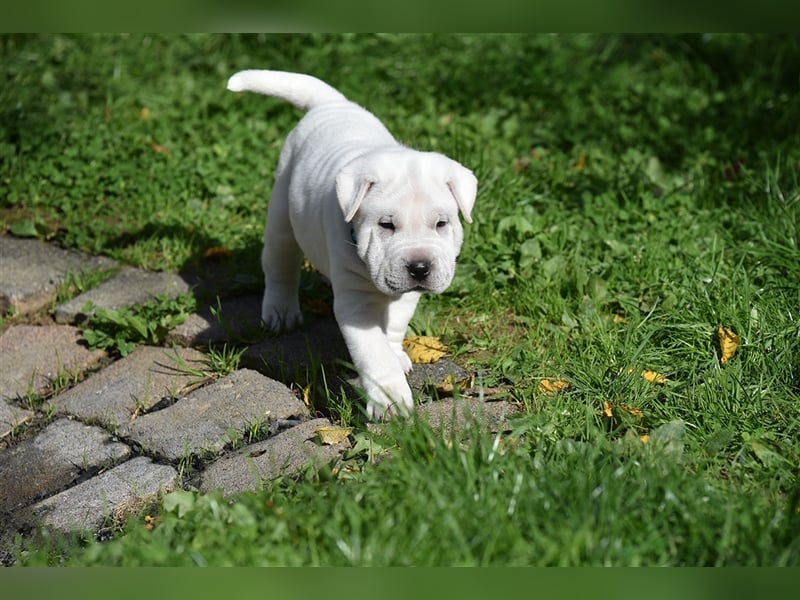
[(441, 223), (387, 225)]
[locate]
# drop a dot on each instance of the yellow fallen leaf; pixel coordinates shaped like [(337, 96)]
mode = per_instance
[(608, 409), (654, 377), (507, 443), (581, 164), (634, 411), (330, 435), (424, 349), (552, 387), (644, 438), (651, 376), (307, 395), (450, 384), (728, 343)]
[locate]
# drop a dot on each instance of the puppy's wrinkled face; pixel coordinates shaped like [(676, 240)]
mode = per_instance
[(406, 220), (408, 238)]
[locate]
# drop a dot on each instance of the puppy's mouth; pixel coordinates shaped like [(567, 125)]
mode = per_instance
[(397, 290), (414, 276)]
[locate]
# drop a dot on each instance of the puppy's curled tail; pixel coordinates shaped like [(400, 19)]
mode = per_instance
[(304, 91)]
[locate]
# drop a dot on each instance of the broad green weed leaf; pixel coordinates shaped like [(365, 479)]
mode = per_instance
[(517, 223), (179, 502), (365, 444), (669, 438), (26, 228), (554, 265), (766, 450)]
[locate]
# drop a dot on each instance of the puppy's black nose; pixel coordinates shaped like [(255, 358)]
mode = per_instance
[(419, 269)]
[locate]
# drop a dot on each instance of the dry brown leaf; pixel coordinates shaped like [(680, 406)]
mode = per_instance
[(217, 252), (608, 410), (330, 435), (450, 384), (318, 307), (424, 349), (634, 411), (581, 164), (552, 387), (489, 392), (728, 343)]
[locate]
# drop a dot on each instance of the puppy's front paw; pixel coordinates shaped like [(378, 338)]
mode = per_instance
[(389, 399), (280, 318)]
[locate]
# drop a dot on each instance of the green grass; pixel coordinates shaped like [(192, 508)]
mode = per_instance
[(636, 192)]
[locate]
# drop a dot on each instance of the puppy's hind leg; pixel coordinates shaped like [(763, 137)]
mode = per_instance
[(280, 260)]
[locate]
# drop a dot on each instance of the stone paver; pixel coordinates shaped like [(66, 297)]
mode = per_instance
[(202, 423), (131, 385), (424, 375), (449, 414), (129, 286), (56, 457), (282, 454), (31, 271), (89, 504), (32, 356)]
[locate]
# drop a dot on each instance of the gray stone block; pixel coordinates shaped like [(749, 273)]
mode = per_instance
[(31, 271), (56, 457), (205, 421), (31, 357), (282, 454), (424, 376), (110, 495), (453, 415), (131, 386)]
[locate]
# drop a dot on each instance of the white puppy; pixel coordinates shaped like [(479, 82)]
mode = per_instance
[(378, 219)]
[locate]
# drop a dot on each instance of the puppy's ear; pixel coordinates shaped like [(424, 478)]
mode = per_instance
[(464, 187), (351, 188)]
